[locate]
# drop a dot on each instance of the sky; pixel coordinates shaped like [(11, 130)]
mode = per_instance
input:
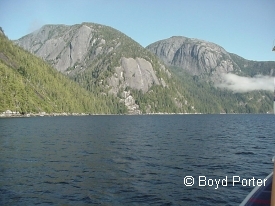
[(243, 27)]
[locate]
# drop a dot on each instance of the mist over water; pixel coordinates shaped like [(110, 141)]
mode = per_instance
[(131, 160), (241, 84)]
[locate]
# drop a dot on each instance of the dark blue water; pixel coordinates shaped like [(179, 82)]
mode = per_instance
[(132, 160)]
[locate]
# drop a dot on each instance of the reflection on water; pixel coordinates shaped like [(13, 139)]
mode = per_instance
[(131, 160)]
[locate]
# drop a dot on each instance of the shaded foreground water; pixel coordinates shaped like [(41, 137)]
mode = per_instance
[(132, 160)]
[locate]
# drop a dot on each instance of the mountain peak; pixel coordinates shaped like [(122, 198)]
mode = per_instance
[(195, 56)]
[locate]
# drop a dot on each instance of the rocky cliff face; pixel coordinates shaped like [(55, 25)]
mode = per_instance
[(62, 46), (198, 57), (135, 73)]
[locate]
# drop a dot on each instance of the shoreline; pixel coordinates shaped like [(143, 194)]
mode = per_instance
[(9, 114)]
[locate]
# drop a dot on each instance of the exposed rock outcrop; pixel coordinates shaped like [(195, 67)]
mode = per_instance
[(134, 73), (130, 103), (61, 45), (198, 57)]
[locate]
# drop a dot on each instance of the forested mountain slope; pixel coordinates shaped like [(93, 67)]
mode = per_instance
[(30, 85), (211, 99)]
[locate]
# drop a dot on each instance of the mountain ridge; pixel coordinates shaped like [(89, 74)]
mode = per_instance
[(111, 63), (199, 57)]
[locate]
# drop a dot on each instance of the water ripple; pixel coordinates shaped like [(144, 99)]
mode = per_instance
[(131, 160)]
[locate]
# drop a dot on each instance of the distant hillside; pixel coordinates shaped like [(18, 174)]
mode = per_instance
[(252, 68), (28, 85)]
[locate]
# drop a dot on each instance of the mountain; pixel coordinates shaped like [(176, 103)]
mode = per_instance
[(107, 62), (202, 58), (29, 85), (177, 75), (197, 57), (204, 65)]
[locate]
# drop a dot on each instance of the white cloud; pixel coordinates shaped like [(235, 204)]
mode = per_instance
[(246, 84)]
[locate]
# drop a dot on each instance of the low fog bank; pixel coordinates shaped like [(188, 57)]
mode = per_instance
[(241, 84)]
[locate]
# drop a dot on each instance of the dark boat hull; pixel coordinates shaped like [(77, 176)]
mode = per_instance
[(260, 195)]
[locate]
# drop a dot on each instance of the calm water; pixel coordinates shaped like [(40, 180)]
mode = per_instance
[(132, 160)]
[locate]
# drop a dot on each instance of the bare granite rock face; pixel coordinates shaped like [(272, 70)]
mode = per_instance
[(193, 55), (135, 73), (61, 45)]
